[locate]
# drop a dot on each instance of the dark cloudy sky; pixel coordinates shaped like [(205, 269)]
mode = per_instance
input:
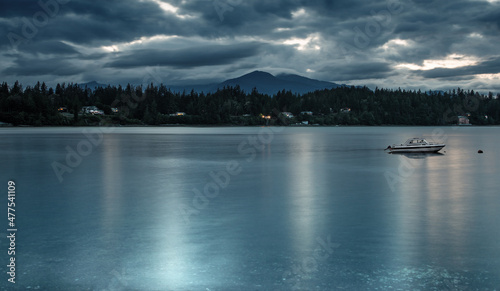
[(392, 43)]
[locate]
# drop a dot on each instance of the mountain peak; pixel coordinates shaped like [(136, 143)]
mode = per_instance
[(255, 75), (258, 73), (267, 83)]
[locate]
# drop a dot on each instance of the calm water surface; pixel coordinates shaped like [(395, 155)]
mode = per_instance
[(252, 209)]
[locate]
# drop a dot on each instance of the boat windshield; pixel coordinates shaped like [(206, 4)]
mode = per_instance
[(416, 141)]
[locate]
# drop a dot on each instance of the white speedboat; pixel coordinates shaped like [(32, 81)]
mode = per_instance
[(415, 145)]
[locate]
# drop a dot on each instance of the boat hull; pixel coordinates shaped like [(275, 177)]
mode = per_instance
[(416, 149)]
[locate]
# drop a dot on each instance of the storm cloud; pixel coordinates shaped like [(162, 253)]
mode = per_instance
[(186, 58), (424, 45)]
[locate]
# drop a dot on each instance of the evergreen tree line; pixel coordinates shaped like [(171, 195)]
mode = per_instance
[(157, 105)]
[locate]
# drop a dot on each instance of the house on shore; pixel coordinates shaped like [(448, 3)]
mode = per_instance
[(463, 120), (178, 114)]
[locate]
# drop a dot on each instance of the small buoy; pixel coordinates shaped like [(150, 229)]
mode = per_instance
[(480, 151)]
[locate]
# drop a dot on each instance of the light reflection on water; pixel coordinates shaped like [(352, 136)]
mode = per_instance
[(114, 223)]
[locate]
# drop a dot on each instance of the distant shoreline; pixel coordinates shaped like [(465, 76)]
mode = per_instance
[(233, 125), (156, 106)]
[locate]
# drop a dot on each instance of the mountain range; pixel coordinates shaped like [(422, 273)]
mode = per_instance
[(269, 84), (264, 82)]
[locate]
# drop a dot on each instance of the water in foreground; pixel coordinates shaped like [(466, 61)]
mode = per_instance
[(252, 209)]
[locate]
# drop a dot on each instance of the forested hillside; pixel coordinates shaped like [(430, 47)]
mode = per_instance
[(157, 105)]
